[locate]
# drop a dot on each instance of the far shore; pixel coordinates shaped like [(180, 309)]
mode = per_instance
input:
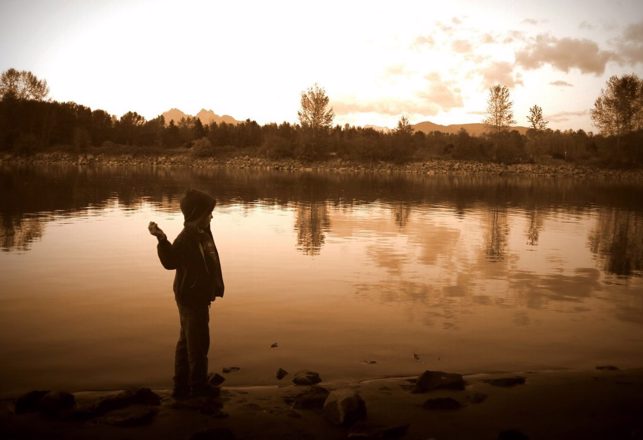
[(592, 404), (432, 167)]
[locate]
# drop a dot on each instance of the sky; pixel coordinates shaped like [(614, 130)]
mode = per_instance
[(377, 60)]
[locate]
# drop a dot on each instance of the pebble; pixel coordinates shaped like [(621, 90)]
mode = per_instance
[(281, 373)]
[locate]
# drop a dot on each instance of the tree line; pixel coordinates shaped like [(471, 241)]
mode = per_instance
[(29, 123)]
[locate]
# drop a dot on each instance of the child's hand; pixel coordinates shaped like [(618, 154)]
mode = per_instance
[(156, 231)]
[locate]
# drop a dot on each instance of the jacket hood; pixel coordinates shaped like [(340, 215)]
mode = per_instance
[(196, 203)]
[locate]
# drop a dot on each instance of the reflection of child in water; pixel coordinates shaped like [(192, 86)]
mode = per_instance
[(198, 281)]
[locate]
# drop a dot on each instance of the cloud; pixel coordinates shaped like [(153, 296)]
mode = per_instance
[(441, 93), (500, 72), (561, 83), (488, 39), (629, 46), (530, 21), (564, 54), (565, 116), (634, 32), (461, 46), (424, 40), (392, 107), (514, 36), (446, 28), (438, 96), (587, 25), (396, 70)]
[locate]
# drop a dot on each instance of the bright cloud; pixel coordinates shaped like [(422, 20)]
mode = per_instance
[(461, 46), (391, 107), (629, 46), (424, 40), (441, 93), (500, 72), (564, 54)]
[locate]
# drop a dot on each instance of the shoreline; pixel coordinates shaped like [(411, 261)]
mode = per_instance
[(433, 167), (600, 403)]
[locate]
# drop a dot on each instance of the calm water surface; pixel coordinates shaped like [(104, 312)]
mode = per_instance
[(470, 273)]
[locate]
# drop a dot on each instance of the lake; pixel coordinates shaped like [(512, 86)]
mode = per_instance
[(354, 276)]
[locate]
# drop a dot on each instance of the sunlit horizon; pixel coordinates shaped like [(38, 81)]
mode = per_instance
[(377, 61)]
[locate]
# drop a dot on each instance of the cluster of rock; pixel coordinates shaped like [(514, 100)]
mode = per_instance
[(127, 408), (342, 407), (345, 406), (428, 167)]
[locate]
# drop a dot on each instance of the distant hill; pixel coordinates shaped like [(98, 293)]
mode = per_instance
[(205, 116), (472, 129)]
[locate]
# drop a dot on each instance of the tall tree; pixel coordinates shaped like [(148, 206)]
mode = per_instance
[(619, 109), (536, 119), (499, 108), (401, 148), (404, 127), (315, 112), (22, 85)]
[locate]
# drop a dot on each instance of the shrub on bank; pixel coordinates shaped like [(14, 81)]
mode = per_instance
[(621, 152), (508, 147), (26, 143), (277, 147), (202, 148)]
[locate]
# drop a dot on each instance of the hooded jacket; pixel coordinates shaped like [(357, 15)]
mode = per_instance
[(198, 279)]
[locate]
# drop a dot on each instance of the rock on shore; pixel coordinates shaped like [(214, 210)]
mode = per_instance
[(428, 167)]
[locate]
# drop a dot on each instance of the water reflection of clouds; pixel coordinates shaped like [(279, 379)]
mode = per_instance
[(387, 258), (447, 273), (537, 290), (362, 221), (436, 242)]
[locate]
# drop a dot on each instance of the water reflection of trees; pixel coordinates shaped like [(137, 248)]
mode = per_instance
[(19, 233), (618, 241), (401, 214), (536, 220), (496, 233), (311, 222)]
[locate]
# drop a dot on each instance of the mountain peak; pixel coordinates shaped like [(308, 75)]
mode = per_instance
[(205, 116)]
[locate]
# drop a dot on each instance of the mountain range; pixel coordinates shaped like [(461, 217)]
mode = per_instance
[(475, 129), (205, 116)]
